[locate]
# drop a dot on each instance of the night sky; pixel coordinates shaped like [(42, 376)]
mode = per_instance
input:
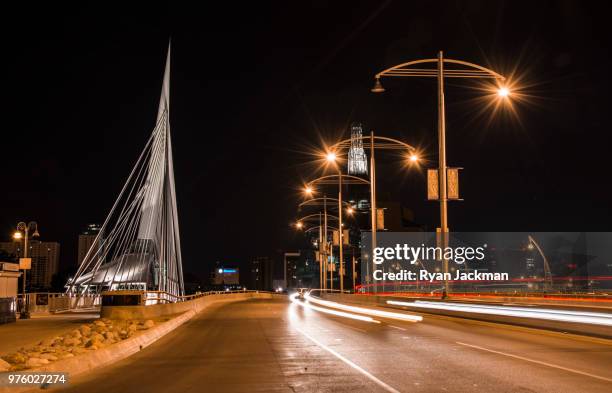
[(257, 85)]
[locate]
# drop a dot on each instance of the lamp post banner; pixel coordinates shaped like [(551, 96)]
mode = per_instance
[(513, 263)]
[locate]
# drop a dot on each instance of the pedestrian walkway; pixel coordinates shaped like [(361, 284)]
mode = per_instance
[(31, 331)]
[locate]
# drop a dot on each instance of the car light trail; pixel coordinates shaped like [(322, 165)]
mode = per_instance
[(366, 311), (521, 312), (363, 318)]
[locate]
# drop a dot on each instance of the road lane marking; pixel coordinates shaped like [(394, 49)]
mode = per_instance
[(345, 325), (349, 363), (397, 327), (537, 362)]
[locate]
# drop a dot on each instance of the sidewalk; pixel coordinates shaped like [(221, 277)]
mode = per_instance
[(40, 327)]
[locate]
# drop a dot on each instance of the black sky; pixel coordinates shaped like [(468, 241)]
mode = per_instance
[(254, 84)]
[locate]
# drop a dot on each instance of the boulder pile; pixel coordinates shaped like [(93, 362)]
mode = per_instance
[(88, 337)]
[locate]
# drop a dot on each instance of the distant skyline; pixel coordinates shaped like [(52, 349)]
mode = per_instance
[(254, 90)]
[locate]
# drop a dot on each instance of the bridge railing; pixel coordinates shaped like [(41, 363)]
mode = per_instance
[(161, 297)]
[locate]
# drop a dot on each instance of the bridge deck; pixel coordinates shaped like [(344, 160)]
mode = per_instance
[(273, 346)]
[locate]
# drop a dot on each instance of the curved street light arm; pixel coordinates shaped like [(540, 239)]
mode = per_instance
[(328, 179), (310, 216), (316, 227), (321, 202), (386, 143), (473, 70)]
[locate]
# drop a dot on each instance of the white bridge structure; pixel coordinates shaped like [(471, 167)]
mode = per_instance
[(138, 246)]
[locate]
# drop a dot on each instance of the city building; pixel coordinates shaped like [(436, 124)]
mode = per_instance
[(261, 274), (225, 276), (86, 239), (45, 261), (301, 269)]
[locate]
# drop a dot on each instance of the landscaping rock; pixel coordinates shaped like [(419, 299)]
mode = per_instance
[(85, 330), (4, 366), (36, 362), (72, 341), (15, 358), (49, 357)]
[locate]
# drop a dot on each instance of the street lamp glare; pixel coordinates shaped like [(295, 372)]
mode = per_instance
[(17, 235), (331, 157), (503, 92), (350, 210), (414, 157), (299, 225), (308, 190), (378, 87)]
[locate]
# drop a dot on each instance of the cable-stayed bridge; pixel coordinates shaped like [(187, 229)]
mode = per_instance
[(138, 246)]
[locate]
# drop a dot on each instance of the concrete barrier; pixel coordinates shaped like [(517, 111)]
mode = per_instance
[(161, 310)]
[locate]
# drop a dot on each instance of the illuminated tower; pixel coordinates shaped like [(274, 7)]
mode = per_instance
[(357, 159)]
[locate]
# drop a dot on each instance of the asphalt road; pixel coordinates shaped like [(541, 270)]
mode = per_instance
[(277, 346)]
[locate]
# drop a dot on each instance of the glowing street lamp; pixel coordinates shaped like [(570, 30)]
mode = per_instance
[(23, 231), (331, 157), (331, 179), (384, 143), (455, 69), (503, 92)]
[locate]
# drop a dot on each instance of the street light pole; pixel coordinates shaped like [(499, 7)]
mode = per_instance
[(373, 211), (383, 143), (457, 69), (442, 167), (320, 244), (340, 229), (325, 241), (22, 226)]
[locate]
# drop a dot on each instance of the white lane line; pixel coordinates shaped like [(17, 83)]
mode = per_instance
[(537, 362), (344, 325), (350, 363), (397, 327)]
